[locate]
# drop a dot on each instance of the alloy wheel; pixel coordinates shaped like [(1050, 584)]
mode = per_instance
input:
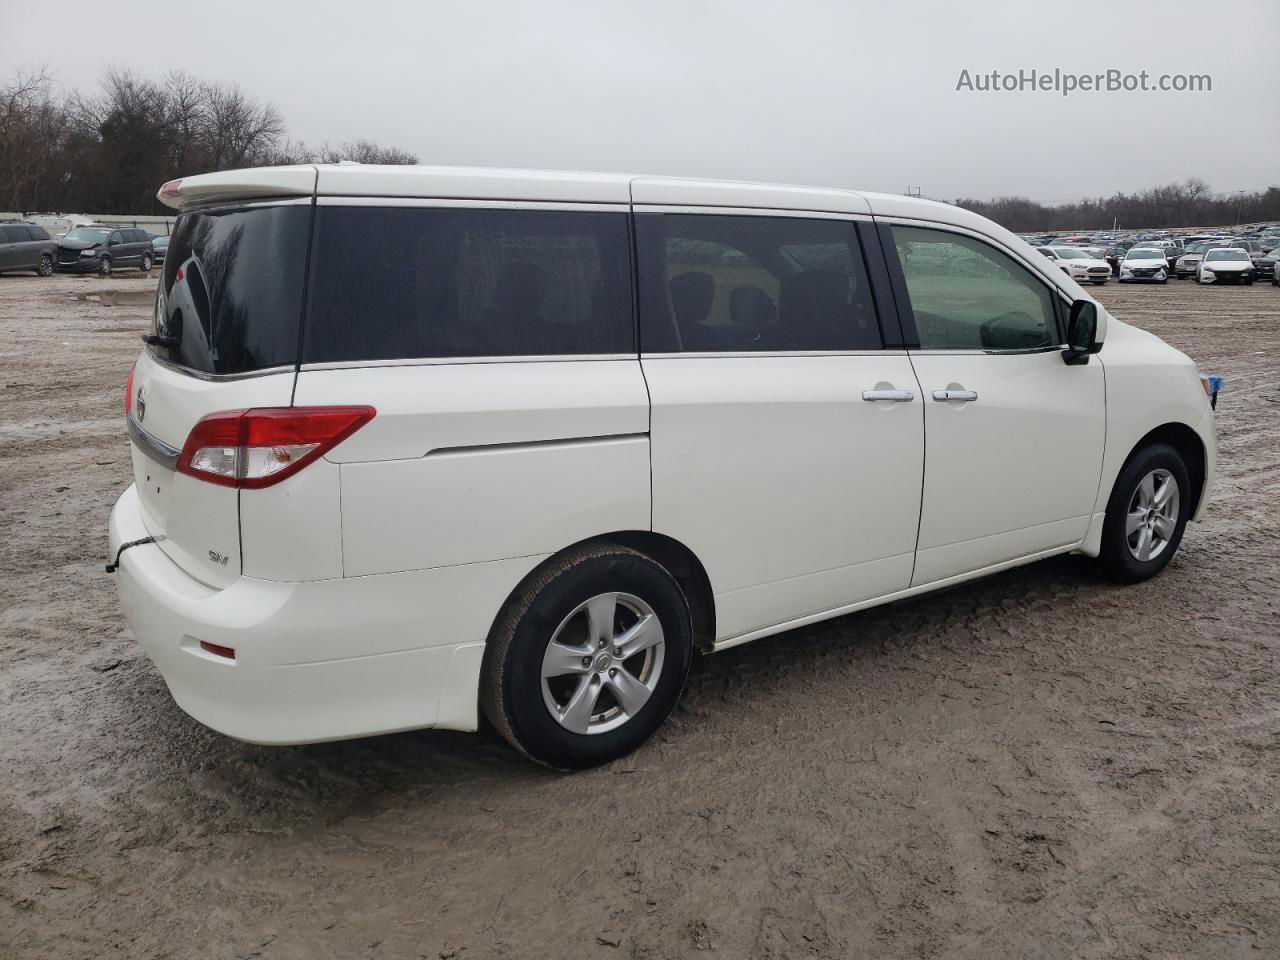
[(1152, 517), (603, 663)]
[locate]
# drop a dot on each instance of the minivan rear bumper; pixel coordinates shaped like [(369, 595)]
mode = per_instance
[(314, 661)]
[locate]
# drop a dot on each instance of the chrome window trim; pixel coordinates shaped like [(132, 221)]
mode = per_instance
[(153, 447), (462, 203), (768, 354), (463, 361), (943, 352), (221, 377), (788, 212)]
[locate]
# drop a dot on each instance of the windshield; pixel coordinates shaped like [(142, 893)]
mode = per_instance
[(231, 297), (1144, 253), (1226, 254), (1067, 253), (88, 234)]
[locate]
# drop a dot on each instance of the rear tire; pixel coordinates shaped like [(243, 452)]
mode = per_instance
[(146, 263), (45, 267), (559, 651), (1143, 528)]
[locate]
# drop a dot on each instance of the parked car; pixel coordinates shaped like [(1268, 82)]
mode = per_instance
[(1189, 263), (1264, 267), (1226, 265), (159, 247), (26, 246), (103, 248), (1113, 256), (1145, 263), (1172, 254), (533, 480), (1079, 264)]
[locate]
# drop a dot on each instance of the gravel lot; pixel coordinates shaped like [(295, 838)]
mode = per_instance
[(1036, 765)]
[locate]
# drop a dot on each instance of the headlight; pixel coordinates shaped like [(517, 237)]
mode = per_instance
[(88, 253), (1206, 272)]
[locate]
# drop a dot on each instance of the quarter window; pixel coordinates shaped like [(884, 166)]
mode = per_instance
[(966, 295), (391, 283), (720, 283)]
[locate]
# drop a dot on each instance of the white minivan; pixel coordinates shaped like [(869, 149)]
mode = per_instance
[(411, 443)]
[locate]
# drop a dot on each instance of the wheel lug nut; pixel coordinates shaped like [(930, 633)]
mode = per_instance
[(586, 661), (601, 643), (613, 673), (617, 651)]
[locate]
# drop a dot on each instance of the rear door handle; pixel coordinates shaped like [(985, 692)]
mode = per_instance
[(898, 396), (942, 396)]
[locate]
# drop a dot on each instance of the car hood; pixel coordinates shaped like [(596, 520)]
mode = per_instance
[(1153, 262), (80, 244), (1228, 264)]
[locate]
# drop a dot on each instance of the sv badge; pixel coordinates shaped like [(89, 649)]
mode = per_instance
[(218, 558)]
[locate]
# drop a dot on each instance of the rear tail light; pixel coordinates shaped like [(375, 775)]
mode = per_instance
[(128, 391), (250, 449)]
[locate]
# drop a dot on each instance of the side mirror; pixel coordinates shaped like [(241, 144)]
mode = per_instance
[(1082, 327)]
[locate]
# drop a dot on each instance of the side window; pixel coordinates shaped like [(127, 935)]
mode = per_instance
[(37, 233), (394, 283), (966, 295), (7, 234), (116, 237), (720, 283)]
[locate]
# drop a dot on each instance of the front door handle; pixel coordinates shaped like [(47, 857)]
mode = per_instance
[(898, 396), (942, 396)]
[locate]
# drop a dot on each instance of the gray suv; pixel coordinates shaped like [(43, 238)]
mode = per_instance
[(102, 248), (24, 246)]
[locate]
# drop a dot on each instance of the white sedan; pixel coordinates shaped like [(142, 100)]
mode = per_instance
[(1145, 263), (1226, 265), (1079, 264)]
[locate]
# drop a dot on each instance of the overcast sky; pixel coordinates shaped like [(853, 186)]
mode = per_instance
[(855, 94)]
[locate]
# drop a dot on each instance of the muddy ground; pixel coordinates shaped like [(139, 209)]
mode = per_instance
[(1037, 765)]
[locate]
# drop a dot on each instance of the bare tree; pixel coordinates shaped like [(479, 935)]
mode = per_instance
[(28, 121), (236, 129)]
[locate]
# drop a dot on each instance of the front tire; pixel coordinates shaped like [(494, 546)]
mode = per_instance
[(45, 267), (1146, 515), (104, 267), (588, 658)]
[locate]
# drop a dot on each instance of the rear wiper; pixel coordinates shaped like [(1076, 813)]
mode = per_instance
[(156, 340)]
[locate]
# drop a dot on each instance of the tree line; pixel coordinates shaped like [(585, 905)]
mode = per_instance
[(1187, 204), (109, 152)]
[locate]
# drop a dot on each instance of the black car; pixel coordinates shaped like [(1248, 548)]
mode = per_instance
[(25, 246), (101, 249), (1264, 267)]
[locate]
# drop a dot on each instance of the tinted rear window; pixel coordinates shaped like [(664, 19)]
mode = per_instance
[(392, 283), (720, 283), (231, 296)]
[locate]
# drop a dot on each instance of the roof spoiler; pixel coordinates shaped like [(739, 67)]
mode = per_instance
[(231, 185)]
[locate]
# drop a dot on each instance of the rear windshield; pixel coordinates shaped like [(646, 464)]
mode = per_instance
[(231, 297), (392, 283)]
